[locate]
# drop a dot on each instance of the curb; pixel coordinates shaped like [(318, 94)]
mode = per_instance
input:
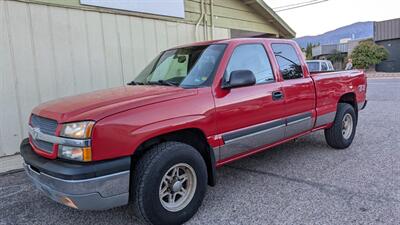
[(10, 164), (382, 78), (11, 172)]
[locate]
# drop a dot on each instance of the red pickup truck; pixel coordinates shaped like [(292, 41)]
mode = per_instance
[(157, 141)]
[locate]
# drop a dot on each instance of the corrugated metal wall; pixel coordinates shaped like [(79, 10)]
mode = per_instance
[(392, 63), (386, 30), (387, 34), (50, 52), (234, 14)]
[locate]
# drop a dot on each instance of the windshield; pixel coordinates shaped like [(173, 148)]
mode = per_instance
[(313, 66), (186, 67)]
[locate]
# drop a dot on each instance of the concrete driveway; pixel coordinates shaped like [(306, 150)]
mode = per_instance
[(303, 182)]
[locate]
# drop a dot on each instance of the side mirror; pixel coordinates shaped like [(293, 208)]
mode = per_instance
[(181, 59), (240, 78)]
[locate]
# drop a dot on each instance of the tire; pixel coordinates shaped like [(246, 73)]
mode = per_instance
[(338, 136), (159, 164)]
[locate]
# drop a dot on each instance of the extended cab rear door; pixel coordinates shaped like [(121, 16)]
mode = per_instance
[(248, 117), (298, 88)]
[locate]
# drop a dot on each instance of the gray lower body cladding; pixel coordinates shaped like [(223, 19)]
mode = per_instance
[(92, 194), (96, 186), (253, 137)]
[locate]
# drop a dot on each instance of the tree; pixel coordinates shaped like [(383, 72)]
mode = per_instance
[(309, 51), (336, 56), (367, 53)]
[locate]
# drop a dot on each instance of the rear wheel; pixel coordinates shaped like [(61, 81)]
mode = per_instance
[(169, 183), (341, 134)]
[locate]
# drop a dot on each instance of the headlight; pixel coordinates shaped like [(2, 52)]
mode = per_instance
[(79, 130), (75, 153)]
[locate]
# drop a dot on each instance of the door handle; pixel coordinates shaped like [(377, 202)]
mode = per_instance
[(277, 95)]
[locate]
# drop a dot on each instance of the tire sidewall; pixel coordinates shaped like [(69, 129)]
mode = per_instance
[(347, 109), (156, 213)]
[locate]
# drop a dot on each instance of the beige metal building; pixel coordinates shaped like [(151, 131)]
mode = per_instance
[(55, 48)]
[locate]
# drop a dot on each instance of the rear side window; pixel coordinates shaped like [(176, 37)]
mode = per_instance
[(289, 62), (251, 57)]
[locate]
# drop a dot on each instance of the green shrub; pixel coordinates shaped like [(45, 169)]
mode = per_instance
[(367, 53)]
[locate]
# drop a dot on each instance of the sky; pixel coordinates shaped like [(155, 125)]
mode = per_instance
[(327, 16)]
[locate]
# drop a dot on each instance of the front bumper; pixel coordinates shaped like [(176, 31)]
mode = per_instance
[(95, 186)]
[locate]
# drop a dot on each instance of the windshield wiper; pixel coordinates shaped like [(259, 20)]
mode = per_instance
[(135, 83), (164, 82)]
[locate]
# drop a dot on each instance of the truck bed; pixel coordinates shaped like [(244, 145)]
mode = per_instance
[(330, 86)]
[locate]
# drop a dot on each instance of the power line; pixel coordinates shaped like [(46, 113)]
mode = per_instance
[(294, 4), (298, 5)]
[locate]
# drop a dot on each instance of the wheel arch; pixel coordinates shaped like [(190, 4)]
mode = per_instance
[(350, 98), (194, 137)]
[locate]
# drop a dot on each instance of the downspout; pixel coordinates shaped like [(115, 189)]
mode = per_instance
[(212, 18), (200, 19), (205, 23)]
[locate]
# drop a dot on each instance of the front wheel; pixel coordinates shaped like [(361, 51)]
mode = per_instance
[(169, 184), (341, 134)]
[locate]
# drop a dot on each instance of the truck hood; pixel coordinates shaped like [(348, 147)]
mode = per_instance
[(99, 104)]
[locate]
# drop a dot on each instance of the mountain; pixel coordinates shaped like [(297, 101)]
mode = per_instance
[(358, 30)]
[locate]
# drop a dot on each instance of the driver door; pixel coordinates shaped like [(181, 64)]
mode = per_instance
[(249, 118)]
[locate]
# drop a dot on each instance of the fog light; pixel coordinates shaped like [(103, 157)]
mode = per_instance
[(68, 202)]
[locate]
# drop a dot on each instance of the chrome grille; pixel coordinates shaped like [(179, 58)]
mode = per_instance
[(47, 126), (42, 145)]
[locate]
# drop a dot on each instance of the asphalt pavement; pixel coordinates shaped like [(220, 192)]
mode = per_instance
[(300, 182)]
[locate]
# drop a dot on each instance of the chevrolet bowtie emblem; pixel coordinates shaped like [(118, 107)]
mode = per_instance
[(35, 132)]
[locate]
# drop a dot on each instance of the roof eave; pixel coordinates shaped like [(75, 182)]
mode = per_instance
[(290, 32)]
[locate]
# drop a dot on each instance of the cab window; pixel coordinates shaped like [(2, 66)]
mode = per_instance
[(251, 57), (288, 60)]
